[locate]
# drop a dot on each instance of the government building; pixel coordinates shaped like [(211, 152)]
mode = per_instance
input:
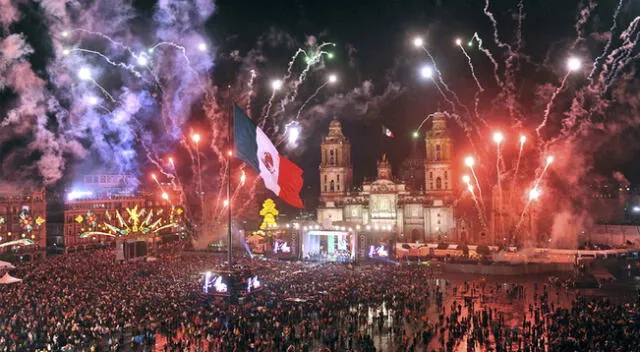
[(416, 207)]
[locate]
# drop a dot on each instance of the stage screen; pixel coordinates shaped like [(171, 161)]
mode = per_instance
[(378, 251), (332, 246)]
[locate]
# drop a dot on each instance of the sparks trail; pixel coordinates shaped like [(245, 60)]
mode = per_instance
[(250, 95), (585, 13), (423, 121), (183, 50), (473, 72), (127, 67), (490, 57), (621, 56), (267, 109), (104, 91), (499, 177), (309, 99), (479, 210), (104, 36), (511, 67), (291, 62), (550, 104), (310, 62), (535, 187), (475, 78), (222, 190), (598, 60), (494, 23), (475, 178), (154, 159), (515, 173), (446, 87)]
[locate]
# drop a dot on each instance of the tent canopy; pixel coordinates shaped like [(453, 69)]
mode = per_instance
[(6, 265), (8, 279)]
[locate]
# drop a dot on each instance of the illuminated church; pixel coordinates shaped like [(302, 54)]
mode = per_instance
[(418, 206)]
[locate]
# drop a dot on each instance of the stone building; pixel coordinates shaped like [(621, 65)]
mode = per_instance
[(415, 213), (23, 223)]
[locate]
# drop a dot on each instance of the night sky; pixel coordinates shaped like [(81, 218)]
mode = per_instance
[(381, 33), (374, 50)]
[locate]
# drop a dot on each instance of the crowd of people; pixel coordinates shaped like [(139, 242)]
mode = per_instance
[(88, 302)]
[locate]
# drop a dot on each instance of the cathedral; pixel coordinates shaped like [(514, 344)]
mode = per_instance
[(417, 206)]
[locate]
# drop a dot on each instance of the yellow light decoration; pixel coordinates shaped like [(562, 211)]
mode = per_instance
[(79, 219), (33, 237), (130, 226), (24, 235), (39, 221), (269, 212), (23, 242)]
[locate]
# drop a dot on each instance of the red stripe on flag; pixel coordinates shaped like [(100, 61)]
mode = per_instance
[(290, 182)]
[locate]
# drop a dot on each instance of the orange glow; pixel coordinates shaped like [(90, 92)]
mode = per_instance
[(523, 139), (466, 179), (165, 196), (195, 138)]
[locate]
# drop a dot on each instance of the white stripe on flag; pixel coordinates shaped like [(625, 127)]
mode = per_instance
[(269, 161)]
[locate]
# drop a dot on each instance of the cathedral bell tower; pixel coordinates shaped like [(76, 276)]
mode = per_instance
[(384, 168), (438, 173), (336, 172)]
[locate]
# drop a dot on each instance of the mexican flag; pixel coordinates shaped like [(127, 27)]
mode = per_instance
[(387, 132), (280, 175)]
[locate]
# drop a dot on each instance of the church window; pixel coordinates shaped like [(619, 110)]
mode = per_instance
[(325, 187), (338, 178), (438, 183), (331, 158), (338, 186), (332, 187), (430, 175), (446, 185), (438, 152), (431, 185), (446, 175)]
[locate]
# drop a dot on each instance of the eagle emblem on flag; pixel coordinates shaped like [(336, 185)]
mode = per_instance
[(267, 160)]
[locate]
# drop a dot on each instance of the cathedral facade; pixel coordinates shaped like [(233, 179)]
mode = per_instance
[(417, 207)]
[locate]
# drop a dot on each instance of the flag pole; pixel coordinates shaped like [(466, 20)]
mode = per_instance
[(229, 159)]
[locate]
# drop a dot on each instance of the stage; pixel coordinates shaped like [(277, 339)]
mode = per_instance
[(328, 246)]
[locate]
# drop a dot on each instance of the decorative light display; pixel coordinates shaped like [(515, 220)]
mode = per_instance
[(269, 213), (137, 221)]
